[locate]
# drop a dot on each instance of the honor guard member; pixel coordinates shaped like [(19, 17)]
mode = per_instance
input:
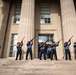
[(75, 49), (49, 52), (42, 50), (19, 50), (29, 50), (53, 48), (67, 50)]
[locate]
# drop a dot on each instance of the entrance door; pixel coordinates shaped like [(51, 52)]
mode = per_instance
[(43, 38)]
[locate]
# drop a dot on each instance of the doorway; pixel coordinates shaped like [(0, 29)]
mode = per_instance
[(48, 38)]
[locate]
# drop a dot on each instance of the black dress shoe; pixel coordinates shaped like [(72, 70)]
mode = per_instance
[(57, 59)]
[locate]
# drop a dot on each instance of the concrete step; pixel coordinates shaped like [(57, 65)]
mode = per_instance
[(37, 67)]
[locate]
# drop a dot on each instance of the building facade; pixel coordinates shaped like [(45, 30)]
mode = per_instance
[(47, 19)]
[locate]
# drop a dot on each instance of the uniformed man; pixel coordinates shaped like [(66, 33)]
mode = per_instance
[(75, 49), (42, 50), (19, 50), (53, 49), (49, 53), (29, 49), (67, 50)]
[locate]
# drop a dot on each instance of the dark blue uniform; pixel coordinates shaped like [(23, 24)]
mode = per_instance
[(29, 50), (42, 51), (67, 51), (49, 52), (19, 52), (75, 50), (54, 53)]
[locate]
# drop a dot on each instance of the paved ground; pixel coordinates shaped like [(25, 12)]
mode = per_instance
[(37, 67)]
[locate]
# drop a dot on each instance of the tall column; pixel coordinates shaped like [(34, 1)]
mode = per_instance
[(68, 20), (26, 27), (3, 23)]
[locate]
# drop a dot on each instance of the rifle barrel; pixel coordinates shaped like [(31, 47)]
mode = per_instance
[(70, 38), (22, 38), (32, 38), (59, 40)]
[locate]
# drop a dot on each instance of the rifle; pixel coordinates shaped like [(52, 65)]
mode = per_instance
[(32, 39), (21, 43), (46, 41), (22, 39), (58, 41), (70, 39)]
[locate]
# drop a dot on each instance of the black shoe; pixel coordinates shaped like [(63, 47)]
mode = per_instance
[(57, 59), (51, 59), (70, 59), (65, 59)]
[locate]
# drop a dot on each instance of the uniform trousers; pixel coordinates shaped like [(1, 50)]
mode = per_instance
[(75, 54), (67, 54), (44, 53), (19, 53), (50, 55), (54, 53), (29, 50)]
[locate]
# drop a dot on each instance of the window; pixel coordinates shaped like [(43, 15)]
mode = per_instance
[(44, 38), (45, 13), (17, 13), (13, 48)]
